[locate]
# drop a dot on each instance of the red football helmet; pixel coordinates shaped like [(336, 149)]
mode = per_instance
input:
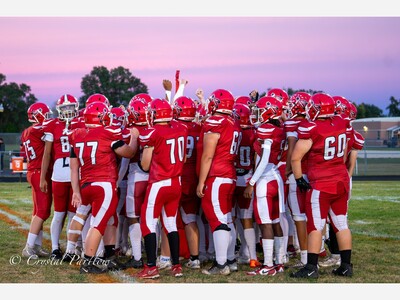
[(184, 109), (244, 100), (159, 110), (137, 110), (320, 105), (297, 104), (118, 117), (279, 94), (266, 108), (67, 107), (353, 111), (220, 101), (38, 112), (96, 114), (97, 98), (242, 113), (142, 96)]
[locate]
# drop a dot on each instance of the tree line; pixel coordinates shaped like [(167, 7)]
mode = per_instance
[(119, 85)]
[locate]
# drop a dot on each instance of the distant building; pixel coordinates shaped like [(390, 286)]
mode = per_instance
[(379, 132)]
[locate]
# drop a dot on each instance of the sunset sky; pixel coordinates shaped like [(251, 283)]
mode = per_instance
[(355, 57)]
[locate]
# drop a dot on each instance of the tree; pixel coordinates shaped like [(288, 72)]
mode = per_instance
[(15, 99), (393, 107), (368, 111), (118, 85)]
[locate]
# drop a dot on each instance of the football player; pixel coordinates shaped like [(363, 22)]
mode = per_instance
[(244, 171), (217, 150), (296, 199), (185, 112), (31, 139), (324, 140), (94, 173), (346, 110), (164, 150), (268, 184), (137, 179), (56, 154)]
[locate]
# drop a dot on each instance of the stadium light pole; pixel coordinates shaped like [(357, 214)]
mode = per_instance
[(365, 150)]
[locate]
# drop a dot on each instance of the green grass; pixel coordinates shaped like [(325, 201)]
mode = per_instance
[(374, 212)]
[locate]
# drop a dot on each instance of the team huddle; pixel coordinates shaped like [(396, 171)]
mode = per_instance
[(268, 171)]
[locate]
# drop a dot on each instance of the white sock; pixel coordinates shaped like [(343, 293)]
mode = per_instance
[(232, 242), (279, 242), (39, 238), (284, 222), (250, 237), (268, 249), (55, 229), (202, 235), (100, 249), (303, 256), (70, 247), (85, 231), (31, 239), (221, 243), (135, 235)]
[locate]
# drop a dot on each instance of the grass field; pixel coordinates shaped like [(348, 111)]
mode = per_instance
[(374, 216)]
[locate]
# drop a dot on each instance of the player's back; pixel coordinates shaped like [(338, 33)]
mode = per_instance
[(169, 142), (325, 160), (268, 131), (33, 145), (230, 135), (93, 148)]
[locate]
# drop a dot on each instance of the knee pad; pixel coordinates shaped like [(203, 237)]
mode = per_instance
[(223, 227)]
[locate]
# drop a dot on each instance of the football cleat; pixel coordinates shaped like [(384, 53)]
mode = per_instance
[(41, 252), (90, 268), (232, 264), (148, 273), (57, 254), (254, 263), (264, 271), (176, 270), (193, 264), (163, 264), (332, 260), (280, 268), (136, 264), (29, 252), (308, 271), (345, 270), (217, 270)]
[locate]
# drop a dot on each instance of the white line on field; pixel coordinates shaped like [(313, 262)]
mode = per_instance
[(124, 278), (376, 198)]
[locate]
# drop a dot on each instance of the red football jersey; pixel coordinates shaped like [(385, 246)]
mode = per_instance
[(56, 132), (138, 153), (223, 163), (94, 149), (194, 130), (31, 138), (356, 141), (326, 165), (276, 135), (169, 142), (245, 157)]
